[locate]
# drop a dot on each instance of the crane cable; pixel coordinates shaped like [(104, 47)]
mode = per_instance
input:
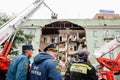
[(53, 13)]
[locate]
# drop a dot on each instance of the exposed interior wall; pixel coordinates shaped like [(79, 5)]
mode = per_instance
[(69, 37)]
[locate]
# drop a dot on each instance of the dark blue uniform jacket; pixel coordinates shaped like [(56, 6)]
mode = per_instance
[(18, 69), (44, 68)]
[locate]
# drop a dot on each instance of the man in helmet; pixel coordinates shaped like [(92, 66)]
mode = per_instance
[(81, 69)]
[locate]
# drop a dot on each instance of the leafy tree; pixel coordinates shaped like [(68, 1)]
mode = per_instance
[(19, 38)]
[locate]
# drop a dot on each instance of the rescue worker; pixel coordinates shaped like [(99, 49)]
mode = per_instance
[(81, 69), (45, 67), (19, 66)]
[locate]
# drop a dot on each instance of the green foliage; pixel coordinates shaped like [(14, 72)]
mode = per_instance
[(28, 38), (20, 38), (5, 20)]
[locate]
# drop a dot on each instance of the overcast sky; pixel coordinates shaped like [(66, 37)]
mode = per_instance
[(66, 9)]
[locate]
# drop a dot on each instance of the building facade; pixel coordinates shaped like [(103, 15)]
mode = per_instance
[(93, 32), (96, 33)]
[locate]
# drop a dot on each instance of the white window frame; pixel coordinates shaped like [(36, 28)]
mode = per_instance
[(95, 34), (96, 43), (106, 33)]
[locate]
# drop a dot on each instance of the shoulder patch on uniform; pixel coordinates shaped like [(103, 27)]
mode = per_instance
[(58, 68), (26, 65)]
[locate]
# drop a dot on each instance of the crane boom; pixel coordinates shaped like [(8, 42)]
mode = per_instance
[(107, 47), (14, 24), (113, 65)]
